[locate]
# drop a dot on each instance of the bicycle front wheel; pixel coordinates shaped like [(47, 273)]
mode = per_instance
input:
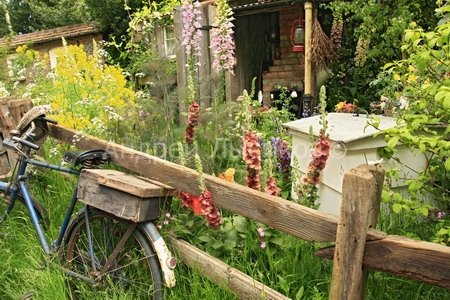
[(114, 254)]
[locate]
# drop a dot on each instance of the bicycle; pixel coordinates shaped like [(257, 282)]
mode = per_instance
[(96, 247)]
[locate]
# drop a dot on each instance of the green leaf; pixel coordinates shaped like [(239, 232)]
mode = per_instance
[(447, 164), (423, 211), (217, 244), (396, 208), (393, 141)]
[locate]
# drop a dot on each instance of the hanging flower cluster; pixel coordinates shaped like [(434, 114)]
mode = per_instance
[(191, 16), (209, 210), (271, 187), (192, 121), (222, 41), (308, 190), (252, 157), (188, 200), (319, 158), (337, 29)]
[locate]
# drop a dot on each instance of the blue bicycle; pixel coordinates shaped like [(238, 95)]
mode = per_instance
[(96, 248)]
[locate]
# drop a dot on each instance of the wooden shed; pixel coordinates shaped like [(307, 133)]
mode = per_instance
[(47, 41), (263, 48)]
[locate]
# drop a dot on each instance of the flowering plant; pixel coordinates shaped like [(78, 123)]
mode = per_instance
[(345, 107), (388, 106)]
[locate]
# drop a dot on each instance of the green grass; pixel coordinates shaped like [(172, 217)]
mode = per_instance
[(287, 264)]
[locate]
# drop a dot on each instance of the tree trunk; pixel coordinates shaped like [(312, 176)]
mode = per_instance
[(7, 19)]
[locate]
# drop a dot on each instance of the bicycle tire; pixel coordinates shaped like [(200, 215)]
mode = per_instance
[(40, 209), (135, 271)]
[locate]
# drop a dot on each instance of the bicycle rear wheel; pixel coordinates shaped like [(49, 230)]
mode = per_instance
[(118, 265)]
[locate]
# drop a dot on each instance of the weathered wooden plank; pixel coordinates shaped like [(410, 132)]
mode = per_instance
[(286, 216), (360, 197), (132, 184), (244, 286), (405, 257), (127, 201)]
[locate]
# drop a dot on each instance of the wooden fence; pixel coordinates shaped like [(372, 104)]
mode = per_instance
[(358, 246)]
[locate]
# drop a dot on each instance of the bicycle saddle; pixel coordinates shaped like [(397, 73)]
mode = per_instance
[(88, 159)]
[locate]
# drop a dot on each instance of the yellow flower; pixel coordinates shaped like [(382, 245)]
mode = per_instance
[(411, 78), (339, 106), (397, 77), (228, 175), (411, 68)]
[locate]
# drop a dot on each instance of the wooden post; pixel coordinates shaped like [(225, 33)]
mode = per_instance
[(359, 211), (308, 47), (204, 73), (308, 80), (181, 64)]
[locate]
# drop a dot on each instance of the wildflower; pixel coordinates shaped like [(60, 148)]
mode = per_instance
[(319, 158), (271, 187), (188, 200), (192, 121), (404, 104), (261, 232), (222, 42), (263, 245), (346, 107), (191, 17), (252, 157), (293, 94), (228, 175), (209, 210)]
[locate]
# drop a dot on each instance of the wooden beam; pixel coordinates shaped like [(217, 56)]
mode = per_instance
[(287, 216), (361, 190), (308, 85), (405, 257), (243, 286)]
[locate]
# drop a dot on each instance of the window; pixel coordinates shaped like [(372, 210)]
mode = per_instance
[(169, 42)]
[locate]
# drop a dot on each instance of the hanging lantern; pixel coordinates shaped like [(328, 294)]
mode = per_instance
[(298, 36)]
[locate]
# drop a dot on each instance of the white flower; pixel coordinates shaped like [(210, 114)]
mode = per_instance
[(260, 96), (403, 102), (376, 162), (294, 94)]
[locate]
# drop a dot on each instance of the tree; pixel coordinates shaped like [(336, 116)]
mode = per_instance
[(371, 37), (31, 15), (7, 18)]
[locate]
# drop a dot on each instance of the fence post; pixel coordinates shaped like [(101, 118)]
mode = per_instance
[(361, 193)]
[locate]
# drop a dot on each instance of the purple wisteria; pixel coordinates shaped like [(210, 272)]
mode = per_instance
[(191, 18), (222, 41)]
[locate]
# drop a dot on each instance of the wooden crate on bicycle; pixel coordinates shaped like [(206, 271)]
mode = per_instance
[(127, 196)]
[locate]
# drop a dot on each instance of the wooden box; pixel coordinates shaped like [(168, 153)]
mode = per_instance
[(128, 196)]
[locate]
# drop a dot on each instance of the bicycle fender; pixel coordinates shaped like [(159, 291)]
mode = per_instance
[(166, 260)]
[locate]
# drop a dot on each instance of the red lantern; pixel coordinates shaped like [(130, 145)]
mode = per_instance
[(298, 36)]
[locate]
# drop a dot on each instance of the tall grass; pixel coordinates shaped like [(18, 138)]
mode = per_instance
[(286, 264)]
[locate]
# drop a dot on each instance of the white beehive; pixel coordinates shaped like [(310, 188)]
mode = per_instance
[(352, 144)]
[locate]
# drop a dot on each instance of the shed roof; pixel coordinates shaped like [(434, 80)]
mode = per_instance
[(48, 35)]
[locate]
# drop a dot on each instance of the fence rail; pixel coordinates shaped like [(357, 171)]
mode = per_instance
[(405, 257)]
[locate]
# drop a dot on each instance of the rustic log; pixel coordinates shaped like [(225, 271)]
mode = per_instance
[(287, 216), (244, 286), (360, 197), (405, 257)]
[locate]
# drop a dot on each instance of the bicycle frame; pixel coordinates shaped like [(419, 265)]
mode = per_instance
[(19, 184)]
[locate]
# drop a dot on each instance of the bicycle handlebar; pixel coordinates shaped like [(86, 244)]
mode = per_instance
[(48, 120), (25, 142)]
